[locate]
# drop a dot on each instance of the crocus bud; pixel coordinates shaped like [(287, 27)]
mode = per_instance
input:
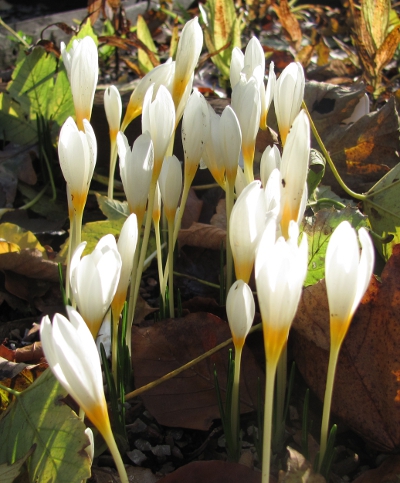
[(187, 55), (230, 141), (195, 132), (240, 309), (94, 280), (170, 182), (247, 107), (158, 118), (77, 152), (113, 108), (136, 168), (347, 276), (126, 246), (270, 160), (160, 75), (288, 96), (281, 268), (267, 97), (82, 65), (294, 170), (212, 150), (246, 226)]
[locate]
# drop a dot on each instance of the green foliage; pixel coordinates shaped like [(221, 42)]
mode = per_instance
[(144, 35), (315, 173), (8, 473), (37, 416), (113, 209), (38, 88), (383, 209), (319, 229), (222, 32)]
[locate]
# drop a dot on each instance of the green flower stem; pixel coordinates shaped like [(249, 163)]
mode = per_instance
[(156, 224), (114, 342), (235, 410), (229, 257), (10, 391), (113, 161), (112, 446), (335, 172), (330, 201), (171, 268), (267, 432), (281, 375), (14, 33), (183, 368), (333, 358)]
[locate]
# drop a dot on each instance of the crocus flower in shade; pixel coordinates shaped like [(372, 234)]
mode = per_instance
[(230, 143), (90, 448), (280, 270), (267, 97), (136, 170), (158, 118), (240, 309), (195, 132), (82, 65), (246, 227), (247, 107), (187, 56), (126, 246), (73, 358), (347, 276), (160, 75), (288, 96), (77, 152), (270, 160), (113, 108), (294, 170), (94, 280), (170, 182), (211, 155)]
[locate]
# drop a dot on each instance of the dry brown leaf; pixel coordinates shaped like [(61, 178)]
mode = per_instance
[(188, 400), (367, 391), (219, 218), (30, 263), (214, 472), (142, 309), (388, 472), (203, 236), (192, 209), (94, 9), (289, 22)]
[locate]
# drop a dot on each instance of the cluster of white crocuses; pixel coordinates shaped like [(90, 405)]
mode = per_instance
[(262, 225)]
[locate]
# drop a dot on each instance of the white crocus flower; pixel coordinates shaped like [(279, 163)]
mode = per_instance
[(160, 75), (288, 96), (82, 65), (240, 309), (170, 182), (136, 169), (158, 118), (94, 280), (212, 158), (247, 107), (113, 108), (270, 160), (294, 170), (74, 360), (187, 56), (230, 143), (77, 152), (247, 224), (267, 96)]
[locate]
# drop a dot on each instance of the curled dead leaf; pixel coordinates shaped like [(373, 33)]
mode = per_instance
[(203, 236)]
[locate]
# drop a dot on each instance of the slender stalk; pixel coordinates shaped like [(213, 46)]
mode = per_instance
[(229, 257), (171, 268), (183, 368), (335, 172), (235, 411), (267, 431), (70, 248), (14, 33), (112, 446), (113, 161), (114, 341), (333, 358), (156, 224), (10, 391), (281, 376)]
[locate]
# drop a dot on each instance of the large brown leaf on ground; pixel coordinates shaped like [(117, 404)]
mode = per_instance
[(214, 472), (189, 399), (367, 389)]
